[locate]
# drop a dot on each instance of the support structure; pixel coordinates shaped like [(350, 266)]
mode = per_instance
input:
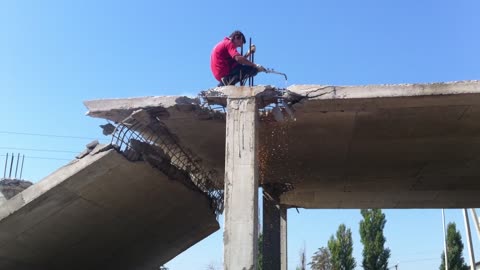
[(469, 239), (241, 185), (271, 230), (283, 239), (274, 229)]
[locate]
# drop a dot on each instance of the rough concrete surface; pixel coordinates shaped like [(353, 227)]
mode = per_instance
[(241, 186), (386, 146), (102, 212), (11, 187)]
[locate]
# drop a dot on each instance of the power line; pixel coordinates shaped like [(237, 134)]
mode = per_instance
[(39, 150), (47, 135), (48, 158)]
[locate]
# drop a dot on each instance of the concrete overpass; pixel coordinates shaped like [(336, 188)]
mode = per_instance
[(383, 146), (312, 146), (317, 146)]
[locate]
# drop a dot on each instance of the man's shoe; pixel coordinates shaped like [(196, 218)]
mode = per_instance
[(226, 81)]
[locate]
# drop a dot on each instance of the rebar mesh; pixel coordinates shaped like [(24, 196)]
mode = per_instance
[(156, 134)]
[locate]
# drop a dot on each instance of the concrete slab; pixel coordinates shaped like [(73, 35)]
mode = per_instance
[(385, 146), (102, 212)]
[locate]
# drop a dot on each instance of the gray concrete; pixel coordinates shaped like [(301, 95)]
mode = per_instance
[(283, 239), (274, 230), (385, 146), (271, 230), (11, 187), (102, 212), (241, 185)]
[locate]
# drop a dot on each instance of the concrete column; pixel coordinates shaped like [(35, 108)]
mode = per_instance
[(274, 231), (241, 185), (271, 231), (283, 239)]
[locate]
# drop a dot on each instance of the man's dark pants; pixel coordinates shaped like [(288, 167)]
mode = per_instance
[(238, 73)]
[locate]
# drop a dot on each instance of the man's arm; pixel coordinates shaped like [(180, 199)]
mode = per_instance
[(244, 61)]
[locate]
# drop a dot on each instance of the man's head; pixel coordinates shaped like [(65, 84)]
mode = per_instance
[(237, 38)]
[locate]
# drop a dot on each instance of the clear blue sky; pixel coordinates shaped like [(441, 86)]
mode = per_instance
[(55, 54)]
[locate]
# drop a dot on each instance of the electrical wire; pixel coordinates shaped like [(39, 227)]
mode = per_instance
[(47, 135), (47, 158), (39, 150)]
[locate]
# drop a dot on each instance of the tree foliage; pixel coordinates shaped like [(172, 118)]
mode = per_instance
[(321, 260), (375, 255), (454, 250), (341, 248)]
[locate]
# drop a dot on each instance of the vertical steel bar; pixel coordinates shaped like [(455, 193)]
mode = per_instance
[(253, 61), (16, 167), (21, 168), (241, 81), (11, 166), (250, 58)]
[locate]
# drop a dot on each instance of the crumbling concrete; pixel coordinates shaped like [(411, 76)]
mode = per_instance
[(11, 187)]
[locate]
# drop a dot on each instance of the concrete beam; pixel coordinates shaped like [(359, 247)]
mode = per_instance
[(241, 185)]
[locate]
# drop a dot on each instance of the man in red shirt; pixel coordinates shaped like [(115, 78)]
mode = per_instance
[(228, 66)]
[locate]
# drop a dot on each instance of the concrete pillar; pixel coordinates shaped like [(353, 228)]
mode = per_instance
[(241, 185), (271, 231), (283, 239), (274, 231)]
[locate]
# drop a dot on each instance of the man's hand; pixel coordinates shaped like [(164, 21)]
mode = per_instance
[(253, 48), (260, 68)]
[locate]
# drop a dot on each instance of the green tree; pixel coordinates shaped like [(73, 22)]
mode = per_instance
[(454, 250), (375, 255), (341, 248), (321, 260)]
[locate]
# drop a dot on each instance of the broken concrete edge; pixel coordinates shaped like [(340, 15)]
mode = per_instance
[(107, 108), (9, 188), (38, 189), (118, 109), (327, 92), (137, 102)]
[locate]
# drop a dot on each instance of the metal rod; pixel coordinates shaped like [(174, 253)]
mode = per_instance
[(241, 53), (5, 170), (11, 166), (475, 217), (21, 168), (16, 168), (253, 61), (250, 58), (469, 240), (444, 240)]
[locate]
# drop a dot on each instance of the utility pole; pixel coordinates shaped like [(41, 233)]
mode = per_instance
[(469, 239), (444, 240)]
